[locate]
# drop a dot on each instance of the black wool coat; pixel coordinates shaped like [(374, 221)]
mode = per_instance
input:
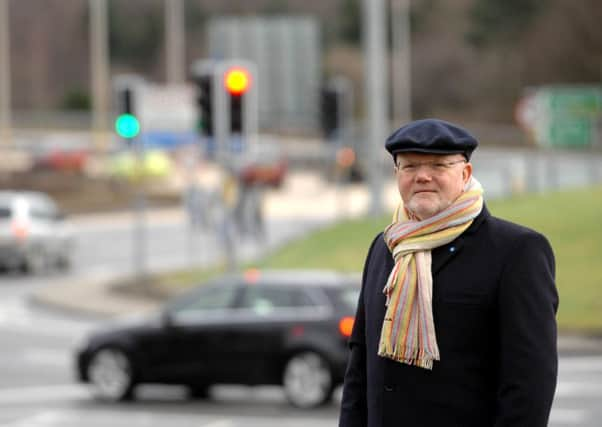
[(494, 308)]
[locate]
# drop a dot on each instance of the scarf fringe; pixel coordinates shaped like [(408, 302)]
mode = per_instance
[(410, 356)]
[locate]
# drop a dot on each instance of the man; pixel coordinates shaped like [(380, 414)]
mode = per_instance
[(455, 324)]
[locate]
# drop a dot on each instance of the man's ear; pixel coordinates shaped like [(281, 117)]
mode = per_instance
[(467, 173)]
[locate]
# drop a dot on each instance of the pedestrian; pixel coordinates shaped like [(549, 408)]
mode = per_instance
[(455, 324)]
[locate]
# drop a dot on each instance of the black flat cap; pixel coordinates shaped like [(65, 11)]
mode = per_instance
[(431, 136)]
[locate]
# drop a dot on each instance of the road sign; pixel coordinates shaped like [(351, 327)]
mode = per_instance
[(561, 116)]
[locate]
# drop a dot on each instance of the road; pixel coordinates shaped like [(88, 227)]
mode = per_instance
[(108, 245), (38, 388)]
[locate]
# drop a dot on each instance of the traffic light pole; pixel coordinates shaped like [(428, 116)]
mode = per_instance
[(140, 237), (128, 127)]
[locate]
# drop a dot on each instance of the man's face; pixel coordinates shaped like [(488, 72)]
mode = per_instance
[(429, 183)]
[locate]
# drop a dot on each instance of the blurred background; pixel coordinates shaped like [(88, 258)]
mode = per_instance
[(149, 145)]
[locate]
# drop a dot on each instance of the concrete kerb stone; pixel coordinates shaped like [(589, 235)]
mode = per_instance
[(94, 297)]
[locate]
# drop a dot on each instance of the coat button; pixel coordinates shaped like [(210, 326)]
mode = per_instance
[(388, 388)]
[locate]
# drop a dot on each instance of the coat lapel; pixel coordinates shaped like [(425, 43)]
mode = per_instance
[(443, 254)]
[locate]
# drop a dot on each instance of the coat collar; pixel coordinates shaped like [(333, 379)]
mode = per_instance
[(442, 254)]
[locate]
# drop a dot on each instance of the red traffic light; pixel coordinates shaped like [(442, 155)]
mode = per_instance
[(237, 80)]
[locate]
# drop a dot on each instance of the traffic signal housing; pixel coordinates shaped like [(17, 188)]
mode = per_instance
[(237, 82), (330, 111), (127, 125), (205, 122)]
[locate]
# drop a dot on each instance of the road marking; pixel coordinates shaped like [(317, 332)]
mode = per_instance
[(581, 389), (43, 419), (568, 416), (17, 315), (11, 396), (220, 423), (580, 364)]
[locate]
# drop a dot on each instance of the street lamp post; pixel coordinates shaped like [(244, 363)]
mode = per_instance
[(99, 60), (401, 81), (174, 41), (377, 95), (5, 99)]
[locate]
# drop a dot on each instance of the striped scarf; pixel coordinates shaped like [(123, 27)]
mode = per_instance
[(408, 331)]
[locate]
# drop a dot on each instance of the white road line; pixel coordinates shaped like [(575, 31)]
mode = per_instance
[(580, 364), (20, 395), (578, 389), (42, 419), (569, 417), (220, 423), (16, 315)]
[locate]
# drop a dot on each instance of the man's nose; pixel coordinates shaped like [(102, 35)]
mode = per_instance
[(424, 173)]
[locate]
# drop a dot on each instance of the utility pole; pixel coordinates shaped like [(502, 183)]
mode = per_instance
[(99, 60), (377, 95), (175, 41), (401, 81), (5, 100)]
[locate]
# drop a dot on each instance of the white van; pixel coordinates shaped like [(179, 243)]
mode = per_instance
[(33, 233)]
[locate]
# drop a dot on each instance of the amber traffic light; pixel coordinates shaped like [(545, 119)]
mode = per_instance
[(237, 81)]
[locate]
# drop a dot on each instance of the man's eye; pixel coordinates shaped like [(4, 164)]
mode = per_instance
[(440, 166), (408, 168)]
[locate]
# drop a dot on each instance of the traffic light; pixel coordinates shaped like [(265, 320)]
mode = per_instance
[(205, 123), (127, 125), (237, 81), (330, 111)]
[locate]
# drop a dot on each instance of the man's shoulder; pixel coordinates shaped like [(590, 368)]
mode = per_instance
[(378, 243), (505, 230)]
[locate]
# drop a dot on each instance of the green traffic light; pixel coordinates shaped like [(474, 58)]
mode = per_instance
[(127, 126)]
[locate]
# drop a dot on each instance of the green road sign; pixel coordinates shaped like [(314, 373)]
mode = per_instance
[(571, 132), (576, 102), (127, 126)]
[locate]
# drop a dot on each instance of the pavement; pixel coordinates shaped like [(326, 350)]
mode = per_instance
[(98, 297), (305, 196)]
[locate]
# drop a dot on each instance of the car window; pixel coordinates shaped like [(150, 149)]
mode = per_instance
[(42, 209), (206, 300), (5, 212), (347, 296), (264, 299)]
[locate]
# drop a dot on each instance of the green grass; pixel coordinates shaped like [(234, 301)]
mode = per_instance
[(342, 247), (572, 221)]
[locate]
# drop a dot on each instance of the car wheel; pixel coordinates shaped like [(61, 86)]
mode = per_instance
[(35, 261), (63, 262), (307, 380), (110, 374)]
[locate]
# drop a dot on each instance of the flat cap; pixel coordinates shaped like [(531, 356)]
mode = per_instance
[(431, 136)]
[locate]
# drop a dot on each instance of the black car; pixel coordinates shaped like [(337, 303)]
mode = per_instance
[(288, 328)]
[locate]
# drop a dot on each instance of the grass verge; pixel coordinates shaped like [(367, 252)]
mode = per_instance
[(572, 221)]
